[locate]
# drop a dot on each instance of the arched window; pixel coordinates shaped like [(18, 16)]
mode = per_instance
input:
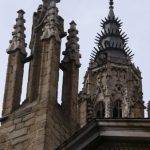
[(117, 109), (100, 110)]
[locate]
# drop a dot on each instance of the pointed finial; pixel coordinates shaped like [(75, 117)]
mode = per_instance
[(72, 47), (111, 14), (111, 3), (21, 11), (73, 22), (73, 25), (18, 39)]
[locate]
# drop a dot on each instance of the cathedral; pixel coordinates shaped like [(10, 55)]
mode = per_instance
[(107, 114)]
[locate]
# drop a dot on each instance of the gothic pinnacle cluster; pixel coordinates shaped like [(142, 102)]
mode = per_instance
[(40, 110), (44, 66)]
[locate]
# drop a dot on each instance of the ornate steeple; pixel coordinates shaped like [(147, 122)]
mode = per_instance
[(18, 40), (112, 83), (112, 41)]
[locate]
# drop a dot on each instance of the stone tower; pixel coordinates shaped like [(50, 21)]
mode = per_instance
[(112, 84), (40, 123)]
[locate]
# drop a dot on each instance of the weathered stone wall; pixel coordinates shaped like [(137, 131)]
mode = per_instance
[(33, 128), (83, 113), (34, 69), (57, 129), (13, 82), (24, 129)]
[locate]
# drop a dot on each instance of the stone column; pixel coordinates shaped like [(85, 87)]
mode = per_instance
[(36, 53), (15, 69), (108, 109), (50, 59), (70, 66)]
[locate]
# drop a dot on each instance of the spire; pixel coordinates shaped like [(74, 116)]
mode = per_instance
[(72, 47), (111, 3), (18, 40), (111, 40), (111, 14)]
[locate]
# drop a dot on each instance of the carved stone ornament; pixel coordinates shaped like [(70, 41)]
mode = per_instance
[(50, 29), (18, 40)]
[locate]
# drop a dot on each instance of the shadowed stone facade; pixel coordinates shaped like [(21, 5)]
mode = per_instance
[(107, 114)]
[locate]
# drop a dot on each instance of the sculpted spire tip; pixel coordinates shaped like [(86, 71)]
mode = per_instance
[(111, 3)]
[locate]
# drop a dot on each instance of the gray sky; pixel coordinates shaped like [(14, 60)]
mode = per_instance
[(87, 14)]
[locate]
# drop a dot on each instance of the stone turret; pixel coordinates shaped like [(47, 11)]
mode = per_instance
[(15, 67), (112, 85), (70, 66)]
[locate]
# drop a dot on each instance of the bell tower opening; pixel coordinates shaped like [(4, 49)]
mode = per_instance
[(117, 109), (100, 110)]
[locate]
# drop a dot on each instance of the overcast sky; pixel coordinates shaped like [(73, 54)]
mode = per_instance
[(135, 15)]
